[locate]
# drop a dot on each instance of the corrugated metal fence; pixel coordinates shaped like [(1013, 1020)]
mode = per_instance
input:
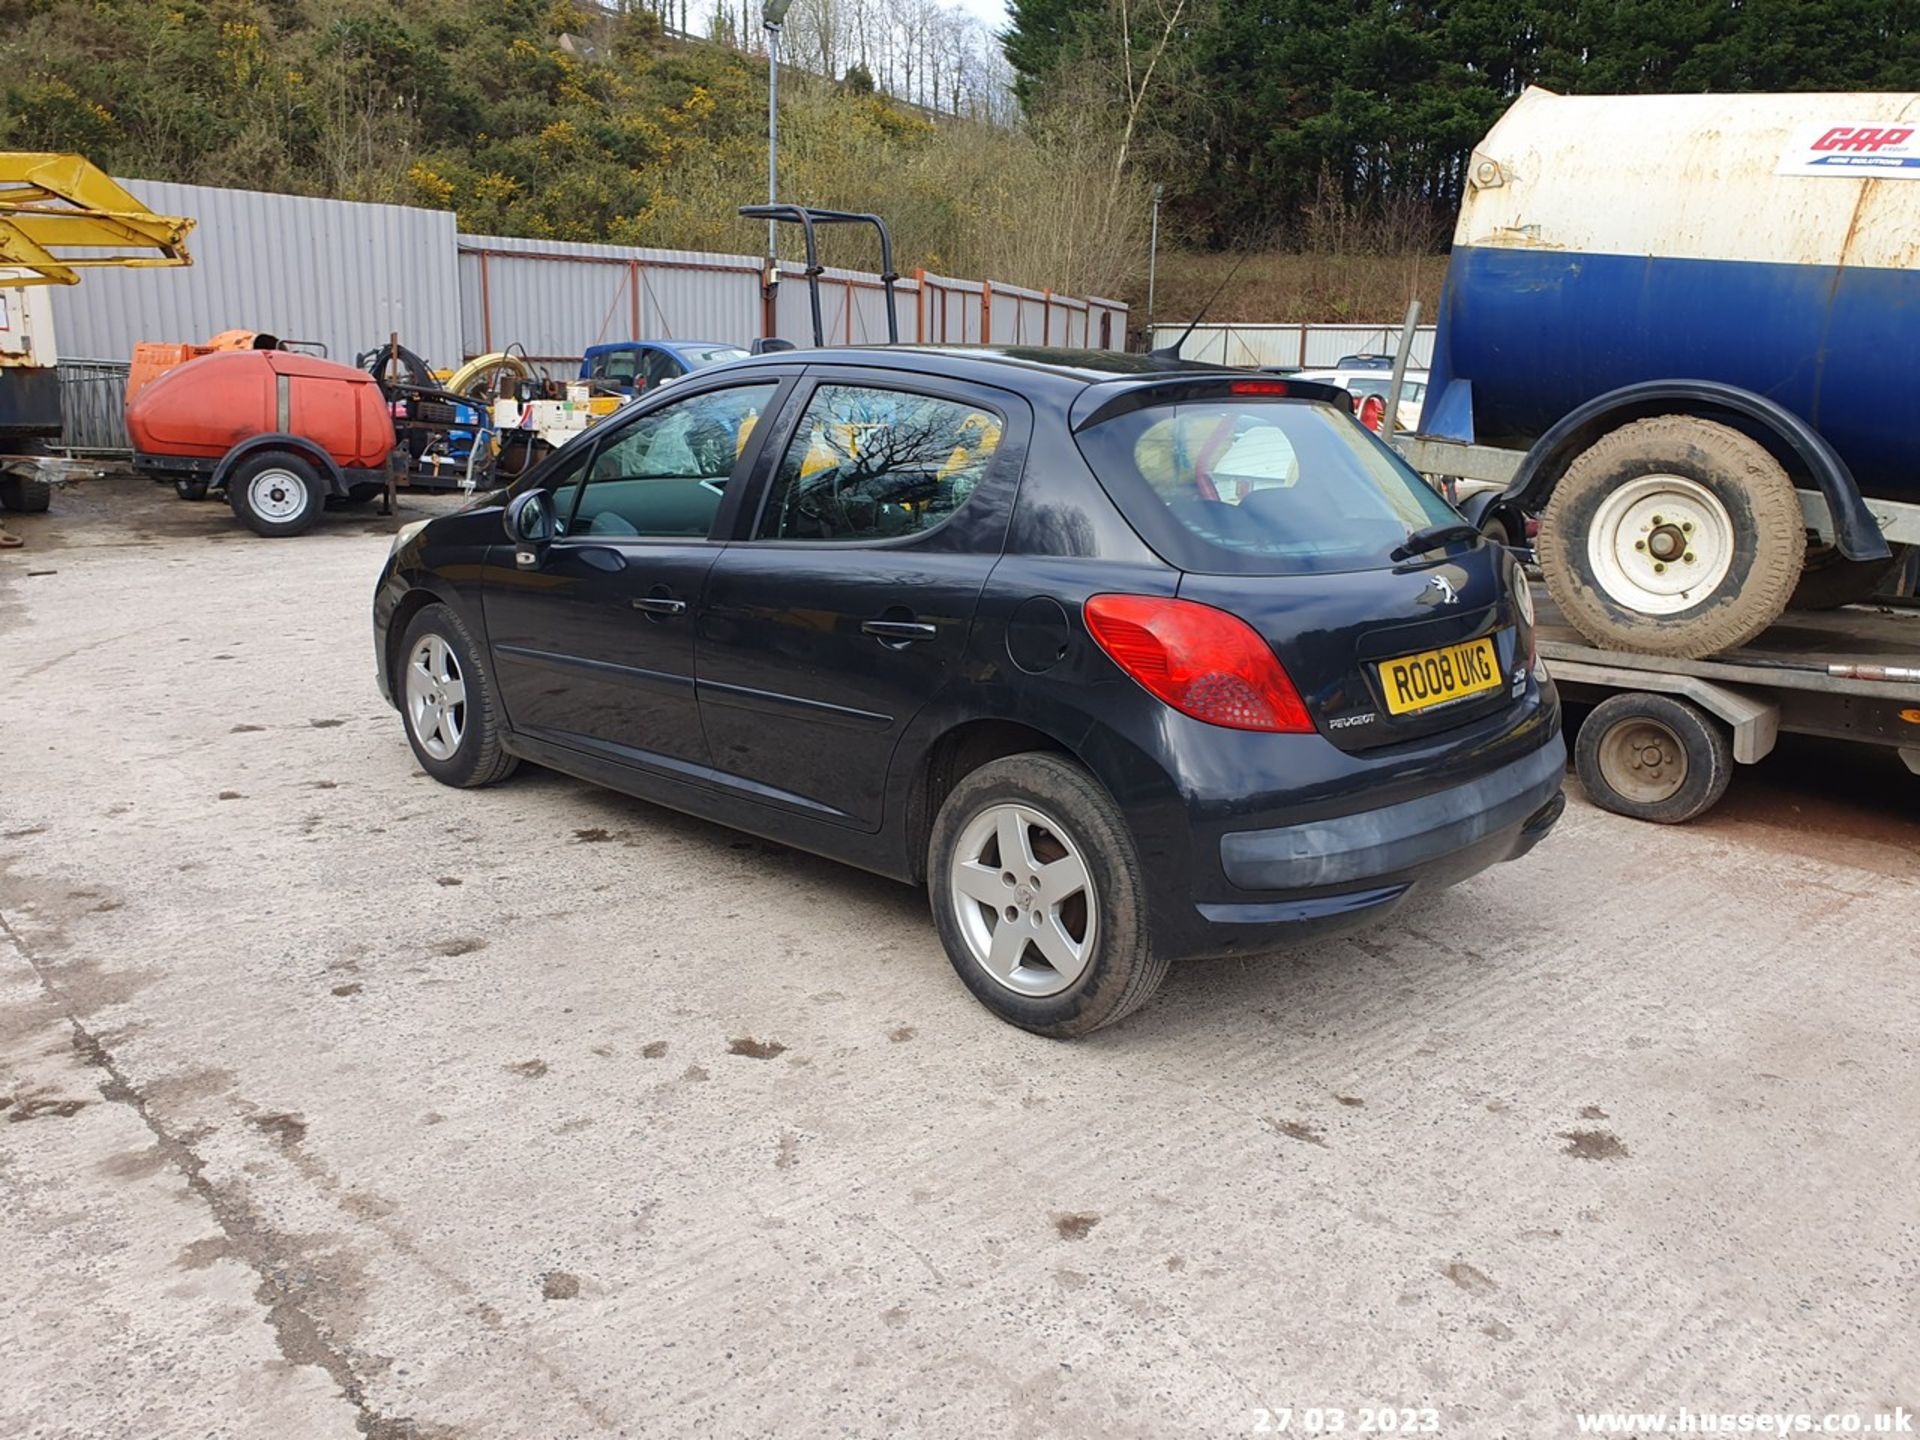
[(346, 275), (554, 299), (1301, 346), (332, 271), (91, 410)]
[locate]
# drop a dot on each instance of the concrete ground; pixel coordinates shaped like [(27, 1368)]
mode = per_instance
[(334, 1102)]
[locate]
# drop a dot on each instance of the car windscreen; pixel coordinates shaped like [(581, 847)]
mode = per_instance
[(1260, 486), (698, 355)]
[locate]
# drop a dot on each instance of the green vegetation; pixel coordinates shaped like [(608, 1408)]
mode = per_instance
[(1339, 129), (554, 119), (1346, 124)]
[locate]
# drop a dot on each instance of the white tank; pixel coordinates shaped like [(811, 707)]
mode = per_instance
[(1712, 177), (1764, 241)]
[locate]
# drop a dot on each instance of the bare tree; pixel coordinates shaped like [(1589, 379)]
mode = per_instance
[(1147, 29), (926, 52)]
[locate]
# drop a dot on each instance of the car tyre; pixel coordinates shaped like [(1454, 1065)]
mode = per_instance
[(1651, 757), (1494, 526), (1069, 954), (190, 489), (1672, 536), (448, 702), (276, 493)]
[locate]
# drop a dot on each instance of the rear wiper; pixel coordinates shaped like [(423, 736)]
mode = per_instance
[(1432, 538)]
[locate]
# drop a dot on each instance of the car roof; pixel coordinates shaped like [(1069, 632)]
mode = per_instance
[(1414, 373), (1008, 366), (668, 345)]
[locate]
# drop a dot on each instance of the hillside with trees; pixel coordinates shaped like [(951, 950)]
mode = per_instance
[(1329, 124), (1328, 136), (579, 121)]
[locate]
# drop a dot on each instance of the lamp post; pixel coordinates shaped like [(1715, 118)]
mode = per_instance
[(1153, 261), (773, 14)]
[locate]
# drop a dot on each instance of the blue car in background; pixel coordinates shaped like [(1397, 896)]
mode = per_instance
[(634, 367)]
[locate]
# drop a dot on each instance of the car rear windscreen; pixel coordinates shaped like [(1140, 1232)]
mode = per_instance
[(1260, 486)]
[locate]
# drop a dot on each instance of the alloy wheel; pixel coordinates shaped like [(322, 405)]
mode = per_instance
[(436, 697), (1024, 898)]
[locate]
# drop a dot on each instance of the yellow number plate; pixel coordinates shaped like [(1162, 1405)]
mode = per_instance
[(1433, 677)]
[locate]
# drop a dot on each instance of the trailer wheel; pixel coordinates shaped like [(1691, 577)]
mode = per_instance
[(29, 497), (1673, 536), (1651, 757), (25, 493), (1830, 580), (276, 493), (190, 489)]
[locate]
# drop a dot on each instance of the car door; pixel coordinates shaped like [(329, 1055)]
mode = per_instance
[(613, 369), (592, 633), (845, 603), (657, 366)]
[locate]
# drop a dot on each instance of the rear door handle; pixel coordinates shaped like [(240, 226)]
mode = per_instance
[(659, 605), (898, 632)]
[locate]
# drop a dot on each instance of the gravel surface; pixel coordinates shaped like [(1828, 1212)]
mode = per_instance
[(334, 1102)]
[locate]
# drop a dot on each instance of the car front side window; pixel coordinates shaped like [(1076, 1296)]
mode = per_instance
[(661, 476)]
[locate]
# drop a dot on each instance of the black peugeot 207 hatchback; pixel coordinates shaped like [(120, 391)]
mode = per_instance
[(1125, 663)]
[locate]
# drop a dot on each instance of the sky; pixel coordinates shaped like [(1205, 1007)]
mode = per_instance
[(990, 13)]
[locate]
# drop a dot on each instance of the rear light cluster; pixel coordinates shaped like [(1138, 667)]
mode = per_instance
[(1523, 603), (1201, 661)]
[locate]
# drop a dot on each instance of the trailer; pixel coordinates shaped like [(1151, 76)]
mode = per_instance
[(1665, 734), (1701, 402)]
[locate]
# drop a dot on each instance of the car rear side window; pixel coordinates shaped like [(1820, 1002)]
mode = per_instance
[(1259, 486), (873, 464)]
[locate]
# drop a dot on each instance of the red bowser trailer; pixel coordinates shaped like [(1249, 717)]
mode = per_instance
[(280, 431)]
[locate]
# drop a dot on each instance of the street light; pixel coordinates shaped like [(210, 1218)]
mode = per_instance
[(1153, 260), (772, 14)]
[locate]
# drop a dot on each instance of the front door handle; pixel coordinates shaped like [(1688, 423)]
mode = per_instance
[(659, 605), (898, 632)]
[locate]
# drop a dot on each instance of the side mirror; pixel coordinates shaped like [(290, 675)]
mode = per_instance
[(529, 525)]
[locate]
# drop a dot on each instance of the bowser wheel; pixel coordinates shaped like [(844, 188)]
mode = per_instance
[(1673, 535), (1830, 580), (276, 493)]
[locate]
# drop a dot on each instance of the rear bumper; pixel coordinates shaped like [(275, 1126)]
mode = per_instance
[(1327, 876), (1353, 849)]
